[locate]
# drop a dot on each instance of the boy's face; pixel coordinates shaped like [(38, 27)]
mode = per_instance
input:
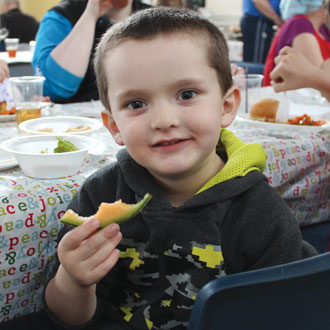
[(166, 104)]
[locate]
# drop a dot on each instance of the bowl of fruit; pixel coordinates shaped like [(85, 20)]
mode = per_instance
[(49, 156)]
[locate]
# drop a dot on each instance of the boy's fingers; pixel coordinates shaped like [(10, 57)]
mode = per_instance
[(93, 243), (77, 235), (103, 252), (103, 268)]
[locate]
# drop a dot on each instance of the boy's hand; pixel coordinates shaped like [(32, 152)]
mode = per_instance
[(88, 254)]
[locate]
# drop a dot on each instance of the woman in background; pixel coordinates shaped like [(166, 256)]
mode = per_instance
[(64, 57), (305, 33), (293, 70)]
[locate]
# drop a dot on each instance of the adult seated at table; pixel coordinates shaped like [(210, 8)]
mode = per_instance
[(65, 45), (305, 31), (19, 24)]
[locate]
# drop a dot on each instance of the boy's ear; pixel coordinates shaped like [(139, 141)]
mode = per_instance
[(112, 127), (231, 102)]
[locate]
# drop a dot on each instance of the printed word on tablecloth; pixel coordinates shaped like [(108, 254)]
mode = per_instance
[(30, 210)]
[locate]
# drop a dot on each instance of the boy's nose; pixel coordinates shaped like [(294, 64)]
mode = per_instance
[(164, 117)]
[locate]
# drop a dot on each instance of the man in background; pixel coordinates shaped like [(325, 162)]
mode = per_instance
[(259, 17), (18, 24)]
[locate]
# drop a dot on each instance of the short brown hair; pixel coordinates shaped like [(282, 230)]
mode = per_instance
[(148, 23)]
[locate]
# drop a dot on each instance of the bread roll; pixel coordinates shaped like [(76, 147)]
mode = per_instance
[(265, 110)]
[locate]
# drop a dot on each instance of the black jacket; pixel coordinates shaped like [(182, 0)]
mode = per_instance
[(20, 25)]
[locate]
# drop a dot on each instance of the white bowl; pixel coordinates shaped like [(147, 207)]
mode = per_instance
[(60, 125), (28, 152)]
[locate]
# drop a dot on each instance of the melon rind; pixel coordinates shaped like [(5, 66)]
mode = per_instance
[(73, 219)]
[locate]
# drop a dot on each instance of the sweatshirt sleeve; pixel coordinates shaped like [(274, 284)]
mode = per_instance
[(262, 232), (86, 203), (60, 84)]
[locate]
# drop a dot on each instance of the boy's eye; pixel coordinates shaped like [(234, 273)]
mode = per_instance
[(186, 95), (135, 105)]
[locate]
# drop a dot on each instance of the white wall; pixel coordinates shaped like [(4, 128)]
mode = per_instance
[(225, 7)]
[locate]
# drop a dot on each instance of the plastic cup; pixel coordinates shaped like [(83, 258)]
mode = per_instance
[(251, 92), (11, 46), (28, 95)]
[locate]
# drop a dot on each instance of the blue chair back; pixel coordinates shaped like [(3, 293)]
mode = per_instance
[(250, 67), (294, 296)]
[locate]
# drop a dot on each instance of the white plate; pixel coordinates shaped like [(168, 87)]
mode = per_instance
[(4, 118), (256, 123), (7, 160), (308, 96), (60, 125)]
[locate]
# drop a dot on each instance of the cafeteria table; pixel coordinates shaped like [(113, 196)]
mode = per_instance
[(297, 167)]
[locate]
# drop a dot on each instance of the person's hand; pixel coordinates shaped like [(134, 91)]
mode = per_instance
[(45, 99), (278, 21), (88, 254), (97, 8), (236, 70), (292, 70), (4, 70)]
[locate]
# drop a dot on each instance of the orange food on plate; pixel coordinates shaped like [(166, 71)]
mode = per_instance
[(5, 111), (306, 120)]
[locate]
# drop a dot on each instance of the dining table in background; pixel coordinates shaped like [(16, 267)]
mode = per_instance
[(22, 56), (298, 167)]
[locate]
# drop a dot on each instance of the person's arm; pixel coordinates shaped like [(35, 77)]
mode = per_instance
[(266, 9), (54, 58), (324, 83), (293, 70), (86, 255), (307, 44), (59, 84), (74, 51), (236, 70), (4, 70)]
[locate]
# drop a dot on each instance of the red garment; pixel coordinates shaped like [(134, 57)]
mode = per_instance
[(269, 64)]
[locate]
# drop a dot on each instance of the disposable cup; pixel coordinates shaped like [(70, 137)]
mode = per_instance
[(11, 46), (251, 91), (28, 95)]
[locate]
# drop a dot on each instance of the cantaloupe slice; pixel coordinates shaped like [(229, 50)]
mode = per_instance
[(108, 213)]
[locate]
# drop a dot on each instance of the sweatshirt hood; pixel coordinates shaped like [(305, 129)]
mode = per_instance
[(241, 158)]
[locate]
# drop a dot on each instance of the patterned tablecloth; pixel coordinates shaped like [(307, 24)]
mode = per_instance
[(297, 166)]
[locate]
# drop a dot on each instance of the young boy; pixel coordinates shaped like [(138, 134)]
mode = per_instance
[(165, 79)]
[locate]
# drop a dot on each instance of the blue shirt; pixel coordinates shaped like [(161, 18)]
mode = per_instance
[(250, 9), (59, 84)]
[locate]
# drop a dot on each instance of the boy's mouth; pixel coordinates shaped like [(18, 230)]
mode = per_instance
[(168, 143)]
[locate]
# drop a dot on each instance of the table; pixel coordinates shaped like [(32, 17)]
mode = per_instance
[(21, 57), (298, 165)]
